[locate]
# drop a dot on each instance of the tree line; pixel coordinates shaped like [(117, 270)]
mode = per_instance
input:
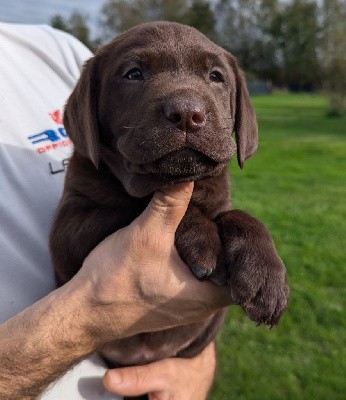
[(297, 44)]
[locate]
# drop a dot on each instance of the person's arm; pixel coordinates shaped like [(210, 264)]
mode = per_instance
[(172, 378), (41, 343), (134, 281)]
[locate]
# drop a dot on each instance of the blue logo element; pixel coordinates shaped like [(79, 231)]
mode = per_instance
[(49, 135)]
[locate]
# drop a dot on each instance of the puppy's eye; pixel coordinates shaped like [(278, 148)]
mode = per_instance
[(134, 74), (216, 76)]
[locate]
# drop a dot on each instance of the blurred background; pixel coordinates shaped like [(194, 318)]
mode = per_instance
[(294, 55)]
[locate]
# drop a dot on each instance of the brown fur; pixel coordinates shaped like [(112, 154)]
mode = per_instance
[(133, 136)]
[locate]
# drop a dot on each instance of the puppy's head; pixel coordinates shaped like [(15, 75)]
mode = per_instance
[(158, 105)]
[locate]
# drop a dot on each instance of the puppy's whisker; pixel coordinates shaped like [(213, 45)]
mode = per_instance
[(132, 127)]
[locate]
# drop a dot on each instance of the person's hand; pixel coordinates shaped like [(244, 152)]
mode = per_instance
[(137, 281), (170, 379), (132, 282)]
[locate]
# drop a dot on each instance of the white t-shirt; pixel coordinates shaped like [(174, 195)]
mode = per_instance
[(39, 67)]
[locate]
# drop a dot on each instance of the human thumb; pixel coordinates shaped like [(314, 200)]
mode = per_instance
[(135, 381), (167, 208)]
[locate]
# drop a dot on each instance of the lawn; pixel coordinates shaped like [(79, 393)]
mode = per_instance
[(296, 185)]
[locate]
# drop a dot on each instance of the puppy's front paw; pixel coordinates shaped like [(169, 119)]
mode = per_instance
[(250, 266), (260, 289), (199, 248)]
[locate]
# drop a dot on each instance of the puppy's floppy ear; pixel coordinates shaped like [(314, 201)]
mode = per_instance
[(245, 124), (80, 116)]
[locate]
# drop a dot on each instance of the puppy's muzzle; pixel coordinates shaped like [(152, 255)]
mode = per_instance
[(180, 163)]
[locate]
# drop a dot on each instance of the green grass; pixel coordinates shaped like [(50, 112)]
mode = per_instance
[(296, 185)]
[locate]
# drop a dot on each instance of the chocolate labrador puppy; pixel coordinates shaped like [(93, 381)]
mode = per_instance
[(154, 107)]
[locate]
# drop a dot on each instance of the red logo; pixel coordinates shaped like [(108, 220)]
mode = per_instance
[(55, 115)]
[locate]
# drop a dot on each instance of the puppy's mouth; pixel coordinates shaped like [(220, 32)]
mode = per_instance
[(179, 165)]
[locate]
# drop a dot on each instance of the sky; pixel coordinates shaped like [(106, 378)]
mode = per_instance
[(41, 11)]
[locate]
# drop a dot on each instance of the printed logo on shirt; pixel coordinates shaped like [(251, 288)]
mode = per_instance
[(59, 166), (55, 115), (51, 139)]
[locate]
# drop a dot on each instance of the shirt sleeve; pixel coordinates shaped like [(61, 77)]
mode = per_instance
[(39, 67)]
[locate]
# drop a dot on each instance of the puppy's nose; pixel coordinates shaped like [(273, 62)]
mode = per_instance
[(185, 114)]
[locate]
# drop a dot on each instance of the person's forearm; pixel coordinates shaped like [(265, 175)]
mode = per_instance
[(41, 343)]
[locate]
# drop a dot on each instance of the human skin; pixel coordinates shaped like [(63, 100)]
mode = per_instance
[(169, 379), (132, 282)]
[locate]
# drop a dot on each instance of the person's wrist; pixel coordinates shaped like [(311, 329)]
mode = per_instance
[(79, 313), (88, 324), (102, 313)]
